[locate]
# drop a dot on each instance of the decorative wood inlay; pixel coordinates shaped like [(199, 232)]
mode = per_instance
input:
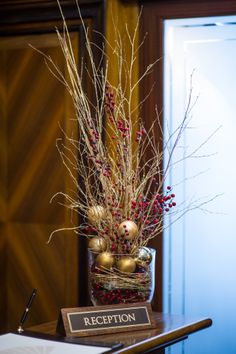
[(34, 104)]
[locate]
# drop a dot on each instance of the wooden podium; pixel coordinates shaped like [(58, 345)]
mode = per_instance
[(169, 330)]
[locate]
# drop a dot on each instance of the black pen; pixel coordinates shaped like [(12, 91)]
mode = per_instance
[(25, 313)]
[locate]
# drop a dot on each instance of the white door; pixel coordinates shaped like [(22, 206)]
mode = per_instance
[(200, 249)]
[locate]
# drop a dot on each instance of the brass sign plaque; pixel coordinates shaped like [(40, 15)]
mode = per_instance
[(85, 321)]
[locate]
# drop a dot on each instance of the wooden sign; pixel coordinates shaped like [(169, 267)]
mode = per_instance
[(86, 321)]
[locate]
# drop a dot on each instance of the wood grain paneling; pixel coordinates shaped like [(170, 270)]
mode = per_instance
[(34, 104)]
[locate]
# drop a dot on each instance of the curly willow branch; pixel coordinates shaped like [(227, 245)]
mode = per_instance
[(123, 173)]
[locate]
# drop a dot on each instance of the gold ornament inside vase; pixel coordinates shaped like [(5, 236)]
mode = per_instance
[(96, 214), (105, 260), (97, 244), (126, 264), (144, 257), (128, 229)]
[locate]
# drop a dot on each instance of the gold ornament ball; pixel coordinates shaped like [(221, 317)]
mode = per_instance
[(126, 264), (105, 260), (144, 257), (96, 214), (97, 244), (128, 229)]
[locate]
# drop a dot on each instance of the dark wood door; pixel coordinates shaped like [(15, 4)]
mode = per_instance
[(33, 107)]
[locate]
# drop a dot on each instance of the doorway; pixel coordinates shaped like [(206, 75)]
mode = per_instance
[(199, 250)]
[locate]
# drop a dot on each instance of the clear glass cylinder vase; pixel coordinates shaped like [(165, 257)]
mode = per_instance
[(109, 285)]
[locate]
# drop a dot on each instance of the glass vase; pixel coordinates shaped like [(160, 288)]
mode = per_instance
[(109, 286)]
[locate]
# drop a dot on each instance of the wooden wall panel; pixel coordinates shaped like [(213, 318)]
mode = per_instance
[(3, 284), (34, 108), (31, 263), (32, 103), (2, 190), (35, 103)]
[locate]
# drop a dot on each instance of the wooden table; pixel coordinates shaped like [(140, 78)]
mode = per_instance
[(169, 330)]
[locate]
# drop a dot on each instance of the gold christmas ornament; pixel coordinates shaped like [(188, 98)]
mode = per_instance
[(144, 257), (105, 260), (128, 229), (126, 264), (96, 214), (97, 244)]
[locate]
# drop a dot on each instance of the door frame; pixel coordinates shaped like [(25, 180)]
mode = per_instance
[(152, 27)]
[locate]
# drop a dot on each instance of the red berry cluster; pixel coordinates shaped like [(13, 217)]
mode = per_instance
[(124, 130), (119, 296), (109, 101), (104, 296), (139, 135), (93, 138), (155, 206)]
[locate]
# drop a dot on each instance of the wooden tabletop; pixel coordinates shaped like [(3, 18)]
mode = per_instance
[(169, 330)]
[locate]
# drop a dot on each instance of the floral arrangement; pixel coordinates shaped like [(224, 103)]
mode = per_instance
[(121, 193)]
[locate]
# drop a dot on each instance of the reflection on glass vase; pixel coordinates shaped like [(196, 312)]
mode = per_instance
[(117, 279)]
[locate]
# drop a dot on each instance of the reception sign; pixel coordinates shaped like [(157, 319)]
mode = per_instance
[(85, 321)]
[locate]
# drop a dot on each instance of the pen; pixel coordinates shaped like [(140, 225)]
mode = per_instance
[(25, 313)]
